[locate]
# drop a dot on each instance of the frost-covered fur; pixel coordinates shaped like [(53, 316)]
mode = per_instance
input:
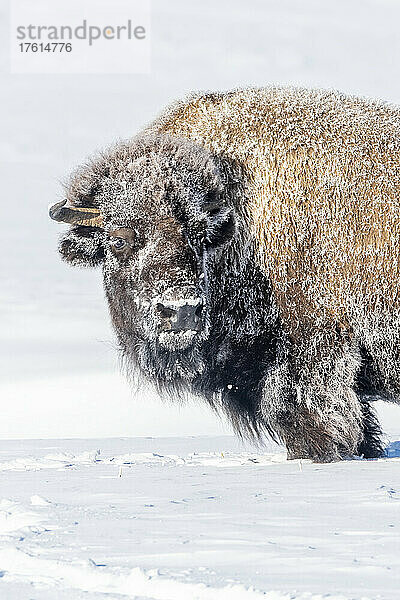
[(278, 208)]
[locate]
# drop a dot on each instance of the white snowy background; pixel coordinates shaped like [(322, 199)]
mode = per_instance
[(166, 516)]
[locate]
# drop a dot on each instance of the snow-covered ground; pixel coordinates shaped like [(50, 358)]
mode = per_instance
[(201, 518)]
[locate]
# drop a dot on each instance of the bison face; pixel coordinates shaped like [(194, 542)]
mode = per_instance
[(164, 224)]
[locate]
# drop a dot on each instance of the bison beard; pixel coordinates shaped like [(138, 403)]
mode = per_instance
[(241, 237)]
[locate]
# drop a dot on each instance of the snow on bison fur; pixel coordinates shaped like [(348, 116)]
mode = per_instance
[(250, 245)]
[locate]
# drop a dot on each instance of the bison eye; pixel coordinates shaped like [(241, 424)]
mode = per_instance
[(118, 244)]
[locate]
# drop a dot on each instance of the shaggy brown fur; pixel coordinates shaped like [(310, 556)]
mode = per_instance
[(323, 183)]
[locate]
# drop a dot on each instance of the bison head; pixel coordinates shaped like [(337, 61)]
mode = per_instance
[(154, 213)]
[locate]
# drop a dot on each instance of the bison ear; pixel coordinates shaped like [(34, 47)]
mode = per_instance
[(221, 230), (83, 246)]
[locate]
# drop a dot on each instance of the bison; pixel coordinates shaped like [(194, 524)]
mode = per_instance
[(250, 245)]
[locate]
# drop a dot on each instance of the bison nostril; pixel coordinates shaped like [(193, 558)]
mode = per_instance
[(165, 311), (180, 315)]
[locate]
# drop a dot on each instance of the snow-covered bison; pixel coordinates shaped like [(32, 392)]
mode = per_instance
[(250, 244)]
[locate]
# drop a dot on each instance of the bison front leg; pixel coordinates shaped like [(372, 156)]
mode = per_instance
[(323, 434), (310, 402)]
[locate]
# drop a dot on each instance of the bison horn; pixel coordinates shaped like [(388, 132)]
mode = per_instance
[(76, 215)]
